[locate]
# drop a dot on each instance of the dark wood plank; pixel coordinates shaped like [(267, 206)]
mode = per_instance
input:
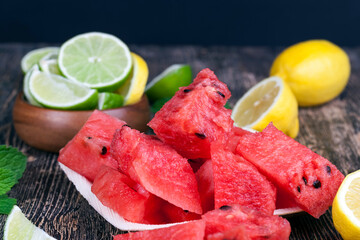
[(50, 201)]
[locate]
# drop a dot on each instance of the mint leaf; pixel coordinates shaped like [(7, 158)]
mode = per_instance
[(7, 180), (227, 106), (12, 159), (6, 204)]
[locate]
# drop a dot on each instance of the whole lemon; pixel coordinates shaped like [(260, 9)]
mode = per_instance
[(316, 71)]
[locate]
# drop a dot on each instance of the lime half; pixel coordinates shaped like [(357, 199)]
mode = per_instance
[(110, 100), (33, 57), (98, 60), (134, 86), (26, 90), (18, 227), (168, 82), (56, 92)]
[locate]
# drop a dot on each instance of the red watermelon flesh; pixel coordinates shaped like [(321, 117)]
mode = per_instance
[(89, 149), (196, 163), (238, 182), (190, 231), (118, 192), (309, 179), (256, 224), (205, 179), (234, 138), (236, 233), (195, 117), (175, 214), (157, 167)]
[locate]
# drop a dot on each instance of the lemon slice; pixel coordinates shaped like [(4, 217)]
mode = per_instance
[(134, 87), (56, 92), (271, 100), (97, 60), (18, 227), (34, 56), (346, 207)]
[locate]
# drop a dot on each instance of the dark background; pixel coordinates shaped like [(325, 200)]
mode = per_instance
[(173, 22)]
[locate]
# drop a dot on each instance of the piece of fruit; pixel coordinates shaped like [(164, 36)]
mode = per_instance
[(168, 82), (193, 230), (307, 178), (98, 60), (110, 100), (316, 71), (196, 115), (88, 151), (157, 167), (271, 100), (18, 227), (346, 207), (56, 92), (33, 57), (256, 224), (205, 179), (134, 86), (50, 66), (239, 182), (26, 90), (175, 214)]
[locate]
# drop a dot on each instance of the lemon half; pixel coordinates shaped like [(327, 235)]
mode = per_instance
[(346, 207), (271, 100)]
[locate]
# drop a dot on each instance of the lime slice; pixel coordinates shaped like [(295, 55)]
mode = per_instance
[(26, 90), (33, 57), (168, 82), (49, 66), (54, 91), (110, 100), (134, 86), (98, 60), (18, 227)]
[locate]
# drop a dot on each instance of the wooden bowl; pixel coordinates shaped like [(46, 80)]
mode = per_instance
[(50, 130)]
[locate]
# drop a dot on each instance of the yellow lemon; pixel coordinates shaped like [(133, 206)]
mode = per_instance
[(271, 100), (134, 86), (346, 207), (316, 70)]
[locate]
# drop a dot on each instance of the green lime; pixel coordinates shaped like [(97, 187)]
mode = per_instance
[(56, 92), (18, 227), (98, 60), (26, 90), (49, 66), (110, 100), (168, 82), (34, 56)]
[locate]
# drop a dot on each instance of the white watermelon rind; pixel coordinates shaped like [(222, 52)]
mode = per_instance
[(84, 188)]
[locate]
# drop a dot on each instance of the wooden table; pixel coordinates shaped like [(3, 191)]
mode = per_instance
[(50, 201)]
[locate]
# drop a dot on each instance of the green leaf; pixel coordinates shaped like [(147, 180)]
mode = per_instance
[(12, 159), (227, 106), (157, 105), (7, 180), (6, 204)]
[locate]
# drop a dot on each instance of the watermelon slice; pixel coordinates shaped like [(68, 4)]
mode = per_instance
[(89, 149), (236, 233), (256, 224), (157, 167), (307, 178), (205, 179), (190, 231), (195, 117), (174, 214), (239, 182)]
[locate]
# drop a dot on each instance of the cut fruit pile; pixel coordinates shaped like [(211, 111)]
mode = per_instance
[(82, 67), (198, 167)]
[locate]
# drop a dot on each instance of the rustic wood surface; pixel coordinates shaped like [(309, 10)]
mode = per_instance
[(50, 201)]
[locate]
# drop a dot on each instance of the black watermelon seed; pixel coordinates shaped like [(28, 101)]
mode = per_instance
[(186, 211), (225, 207), (200, 135), (103, 150), (328, 169), (317, 184), (304, 179), (298, 188), (187, 90), (89, 137), (221, 94)]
